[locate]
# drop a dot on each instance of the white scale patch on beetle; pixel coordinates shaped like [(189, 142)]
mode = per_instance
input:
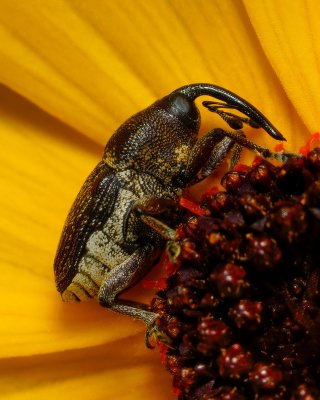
[(92, 267), (130, 180), (87, 281), (115, 225), (182, 153), (104, 250), (103, 253)]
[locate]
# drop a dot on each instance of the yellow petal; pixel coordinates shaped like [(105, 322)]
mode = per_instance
[(43, 165), (289, 34), (58, 61), (123, 370), (93, 65), (42, 170)]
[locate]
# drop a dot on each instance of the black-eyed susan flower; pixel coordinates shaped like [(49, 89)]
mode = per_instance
[(71, 72), (242, 306)]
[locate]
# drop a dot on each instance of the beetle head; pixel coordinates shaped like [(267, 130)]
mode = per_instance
[(179, 106), (158, 140), (232, 101)]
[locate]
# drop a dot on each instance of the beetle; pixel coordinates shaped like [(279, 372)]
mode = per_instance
[(113, 234)]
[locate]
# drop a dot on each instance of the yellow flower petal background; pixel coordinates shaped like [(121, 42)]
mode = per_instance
[(289, 34), (121, 371), (90, 65), (43, 164)]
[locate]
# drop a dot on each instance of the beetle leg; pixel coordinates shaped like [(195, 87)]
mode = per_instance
[(235, 155), (263, 151), (153, 205), (219, 154), (236, 142), (124, 276), (209, 150), (162, 229)]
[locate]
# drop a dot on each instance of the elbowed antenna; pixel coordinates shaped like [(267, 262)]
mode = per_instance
[(205, 89)]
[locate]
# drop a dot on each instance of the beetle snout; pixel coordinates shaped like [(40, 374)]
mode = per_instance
[(183, 108)]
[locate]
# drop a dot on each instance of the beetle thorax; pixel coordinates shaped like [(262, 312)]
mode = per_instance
[(152, 142)]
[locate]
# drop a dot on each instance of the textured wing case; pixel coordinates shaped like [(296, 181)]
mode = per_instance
[(90, 210)]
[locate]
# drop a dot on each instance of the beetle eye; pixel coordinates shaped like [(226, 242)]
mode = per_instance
[(183, 108)]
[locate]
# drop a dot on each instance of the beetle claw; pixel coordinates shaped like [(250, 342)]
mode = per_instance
[(149, 333), (153, 331)]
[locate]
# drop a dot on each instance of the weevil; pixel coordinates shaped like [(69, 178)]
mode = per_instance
[(113, 234)]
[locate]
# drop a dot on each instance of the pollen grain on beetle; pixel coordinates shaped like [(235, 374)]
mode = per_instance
[(242, 307)]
